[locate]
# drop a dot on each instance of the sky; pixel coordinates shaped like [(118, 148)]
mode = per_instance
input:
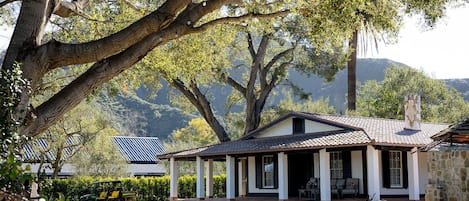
[(441, 52)]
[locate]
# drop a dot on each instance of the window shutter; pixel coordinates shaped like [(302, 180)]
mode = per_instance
[(258, 171), (275, 158), (385, 167), (405, 174), (347, 163)]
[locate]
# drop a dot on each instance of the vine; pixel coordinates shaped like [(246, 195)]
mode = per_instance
[(15, 179)]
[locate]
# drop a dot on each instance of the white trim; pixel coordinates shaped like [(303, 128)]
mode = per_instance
[(209, 178), (324, 174), (373, 169), (242, 177), (200, 190), (316, 164), (173, 181), (414, 176), (282, 176), (230, 177)]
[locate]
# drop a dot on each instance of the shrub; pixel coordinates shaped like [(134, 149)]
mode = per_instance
[(148, 188)]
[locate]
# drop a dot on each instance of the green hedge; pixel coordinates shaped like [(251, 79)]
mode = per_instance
[(148, 188)]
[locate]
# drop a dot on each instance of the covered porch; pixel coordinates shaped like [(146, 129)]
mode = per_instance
[(278, 166), (292, 168)]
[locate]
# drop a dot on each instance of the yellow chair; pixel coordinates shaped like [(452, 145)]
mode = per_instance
[(102, 196), (114, 195)]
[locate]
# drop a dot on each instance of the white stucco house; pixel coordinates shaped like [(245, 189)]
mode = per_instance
[(140, 153), (278, 159)]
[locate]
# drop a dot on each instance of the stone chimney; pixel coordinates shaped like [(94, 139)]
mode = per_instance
[(412, 112)]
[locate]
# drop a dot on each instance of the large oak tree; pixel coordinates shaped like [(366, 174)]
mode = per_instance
[(109, 54)]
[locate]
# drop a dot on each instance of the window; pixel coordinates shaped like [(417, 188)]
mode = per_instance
[(336, 163), (395, 168), (298, 126), (267, 171)]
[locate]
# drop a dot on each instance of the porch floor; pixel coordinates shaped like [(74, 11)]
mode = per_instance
[(295, 199)]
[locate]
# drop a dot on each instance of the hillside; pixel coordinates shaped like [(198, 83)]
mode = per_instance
[(461, 85), (156, 117)]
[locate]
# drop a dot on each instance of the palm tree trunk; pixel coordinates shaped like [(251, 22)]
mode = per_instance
[(352, 73)]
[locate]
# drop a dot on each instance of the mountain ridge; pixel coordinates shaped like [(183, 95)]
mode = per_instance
[(367, 69)]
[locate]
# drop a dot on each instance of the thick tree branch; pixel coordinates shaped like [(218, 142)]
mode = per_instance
[(268, 67), (71, 95), (229, 80), (61, 54), (241, 18), (105, 69), (258, 62), (208, 113), (275, 59), (200, 101), (276, 75)]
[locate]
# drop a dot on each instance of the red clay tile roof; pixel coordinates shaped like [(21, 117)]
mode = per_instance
[(390, 131), (356, 131), (341, 138)]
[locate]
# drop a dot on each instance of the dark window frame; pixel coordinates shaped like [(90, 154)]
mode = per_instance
[(385, 166), (259, 172), (298, 125)]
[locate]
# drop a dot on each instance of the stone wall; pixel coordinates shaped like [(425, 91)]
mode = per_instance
[(448, 169)]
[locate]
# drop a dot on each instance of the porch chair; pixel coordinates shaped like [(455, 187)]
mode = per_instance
[(311, 192), (337, 185), (351, 187)]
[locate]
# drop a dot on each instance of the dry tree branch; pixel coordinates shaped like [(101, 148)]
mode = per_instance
[(241, 18), (4, 3)]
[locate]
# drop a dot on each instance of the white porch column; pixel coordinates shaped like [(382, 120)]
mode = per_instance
[(414, 177), (316, 165), (200, 192), (242, 177), (282, 176), (324, 175), (209, 180), (173, 179), (372, 163), (230, 178)]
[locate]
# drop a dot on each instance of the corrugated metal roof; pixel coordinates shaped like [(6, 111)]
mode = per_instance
[(32, 149), (139, 149), (132, 149)]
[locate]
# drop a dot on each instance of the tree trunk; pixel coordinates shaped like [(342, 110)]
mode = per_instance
[(201, 103), (352, 73), (252, 107), (56, 164)]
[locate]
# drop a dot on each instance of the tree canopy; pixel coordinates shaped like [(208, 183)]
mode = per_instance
[(386, 99), (121, 33), (99, 40)]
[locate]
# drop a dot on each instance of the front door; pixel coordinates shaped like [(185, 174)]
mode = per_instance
[(300, 169)]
